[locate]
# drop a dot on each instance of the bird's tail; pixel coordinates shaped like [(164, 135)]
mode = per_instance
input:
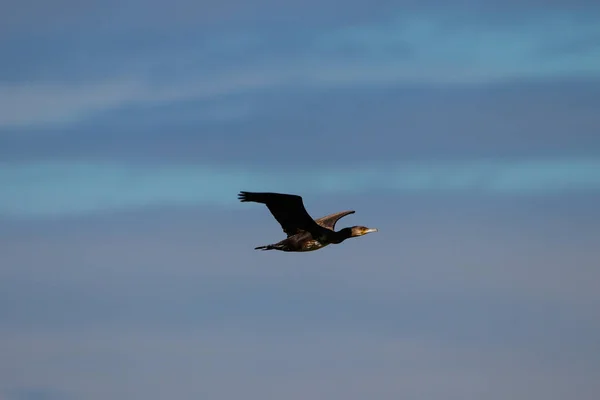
[(270, 247)]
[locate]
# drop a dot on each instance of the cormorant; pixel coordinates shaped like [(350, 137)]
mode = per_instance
[(303, 232)]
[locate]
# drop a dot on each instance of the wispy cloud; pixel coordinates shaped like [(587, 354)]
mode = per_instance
[(414, 48), (64, 188), (42, 103)]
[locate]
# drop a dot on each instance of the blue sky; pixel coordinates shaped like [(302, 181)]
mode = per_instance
[(466, 131)]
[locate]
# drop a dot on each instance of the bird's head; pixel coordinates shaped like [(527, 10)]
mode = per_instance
[(361, 230)]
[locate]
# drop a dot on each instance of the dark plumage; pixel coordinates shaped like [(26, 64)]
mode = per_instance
[(303, 232)]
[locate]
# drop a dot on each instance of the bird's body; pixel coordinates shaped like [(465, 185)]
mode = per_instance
[(303, 233), (298, 242)]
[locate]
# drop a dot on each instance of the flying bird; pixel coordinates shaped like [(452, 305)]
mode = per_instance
[(303, 232)]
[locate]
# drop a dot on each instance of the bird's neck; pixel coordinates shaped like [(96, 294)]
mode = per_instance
[(341, 235)]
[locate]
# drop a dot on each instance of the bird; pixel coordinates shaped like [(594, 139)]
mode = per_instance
[(303, 232)]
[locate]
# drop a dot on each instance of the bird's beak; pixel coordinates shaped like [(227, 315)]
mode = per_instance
[(371, 230)]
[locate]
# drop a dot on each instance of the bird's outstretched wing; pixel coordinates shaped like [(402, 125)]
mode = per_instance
[(288, 210), (330, 220)]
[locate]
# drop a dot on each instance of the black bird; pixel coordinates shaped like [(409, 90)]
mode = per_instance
[(303, 232)]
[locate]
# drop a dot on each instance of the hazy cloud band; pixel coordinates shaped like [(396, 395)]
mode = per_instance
[(62, 188)]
